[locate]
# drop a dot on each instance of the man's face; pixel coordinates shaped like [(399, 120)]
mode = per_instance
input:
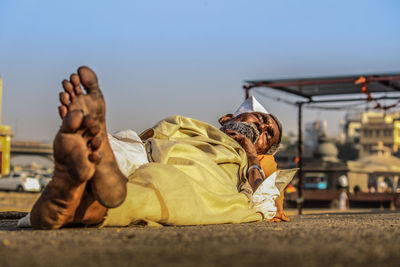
[(268, 129)]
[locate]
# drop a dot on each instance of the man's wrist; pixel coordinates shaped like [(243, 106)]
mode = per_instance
[(253, 160), (257, 167)]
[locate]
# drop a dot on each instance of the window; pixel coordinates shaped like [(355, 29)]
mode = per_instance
[(367, 133)]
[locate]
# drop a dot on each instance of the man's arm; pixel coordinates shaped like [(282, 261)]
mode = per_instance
[(255, 177)]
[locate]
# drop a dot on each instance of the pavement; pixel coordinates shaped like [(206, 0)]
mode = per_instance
[(361, 238)]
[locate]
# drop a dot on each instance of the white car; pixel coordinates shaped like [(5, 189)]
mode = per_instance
[(20, 182), (45, 179)]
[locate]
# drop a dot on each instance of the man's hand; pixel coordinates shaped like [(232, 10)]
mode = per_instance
[(245, 142), (255, 178)]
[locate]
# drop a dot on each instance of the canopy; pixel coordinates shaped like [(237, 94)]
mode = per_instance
[(335, 85), (369, 87)]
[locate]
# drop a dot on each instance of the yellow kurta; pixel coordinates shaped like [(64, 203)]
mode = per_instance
[(192, 178)]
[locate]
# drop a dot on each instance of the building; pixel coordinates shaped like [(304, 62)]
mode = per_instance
[(351, 129), (5, 140), (324, 170), (314, 130), (378, 172), (367, 130), (379, 128)]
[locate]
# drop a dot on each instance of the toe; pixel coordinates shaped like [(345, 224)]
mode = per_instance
[(88, 121), (62, 110), (88, 79), (95, 143), (94, 130), (69, 88), (64, 98), (76, 82), (91, 125), (72, 121), (94, 157)]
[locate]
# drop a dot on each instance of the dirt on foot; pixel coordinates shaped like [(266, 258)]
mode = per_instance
[(82, 144)]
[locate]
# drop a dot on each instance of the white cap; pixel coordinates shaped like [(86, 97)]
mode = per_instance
[(250, 105)]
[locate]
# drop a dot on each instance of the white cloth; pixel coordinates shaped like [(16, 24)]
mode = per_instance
[(270, 189), (25, 222), (265, 195), (129, 150)]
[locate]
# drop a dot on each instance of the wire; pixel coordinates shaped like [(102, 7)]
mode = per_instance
[(346, 107), (276, 98), (350, 107)]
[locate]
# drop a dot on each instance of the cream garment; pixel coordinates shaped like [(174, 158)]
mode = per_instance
[(192, 178), (195, 175)]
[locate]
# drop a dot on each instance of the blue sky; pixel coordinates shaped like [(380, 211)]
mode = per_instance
[(160, 58)]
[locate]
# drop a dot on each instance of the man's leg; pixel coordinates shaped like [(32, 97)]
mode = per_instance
[(85, 171)]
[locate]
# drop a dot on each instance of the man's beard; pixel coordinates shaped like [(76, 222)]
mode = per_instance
[(249, 130)]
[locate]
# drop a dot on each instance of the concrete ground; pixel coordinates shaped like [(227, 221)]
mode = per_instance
[(370, 238)]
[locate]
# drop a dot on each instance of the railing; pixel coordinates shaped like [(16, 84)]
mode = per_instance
[(31, 148)]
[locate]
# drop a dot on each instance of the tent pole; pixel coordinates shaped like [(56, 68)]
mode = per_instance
[(300, 199), (246, 93)]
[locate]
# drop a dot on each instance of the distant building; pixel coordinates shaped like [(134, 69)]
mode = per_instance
[(378, 128), (287, 155), (324, 170), (377, 172), (5, 147), (314, 130), (351, 127), (367, 130), (5, 140)]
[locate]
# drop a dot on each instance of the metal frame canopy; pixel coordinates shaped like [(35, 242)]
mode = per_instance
[(331, 90), (309, 88)]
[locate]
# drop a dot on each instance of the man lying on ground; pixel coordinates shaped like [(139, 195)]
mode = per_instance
[(180, 172)]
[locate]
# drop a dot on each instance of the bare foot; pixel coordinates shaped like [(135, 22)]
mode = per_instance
[(108, 184), (82, 156), (280, 214), (72, 169)]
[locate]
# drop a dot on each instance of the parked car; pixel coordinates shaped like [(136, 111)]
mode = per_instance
[(45, 179), (20, 182)]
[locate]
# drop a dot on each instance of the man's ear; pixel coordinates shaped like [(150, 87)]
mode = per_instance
[(225, 118)]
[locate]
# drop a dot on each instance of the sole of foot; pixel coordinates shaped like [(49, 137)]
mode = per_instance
[(107, 184)]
